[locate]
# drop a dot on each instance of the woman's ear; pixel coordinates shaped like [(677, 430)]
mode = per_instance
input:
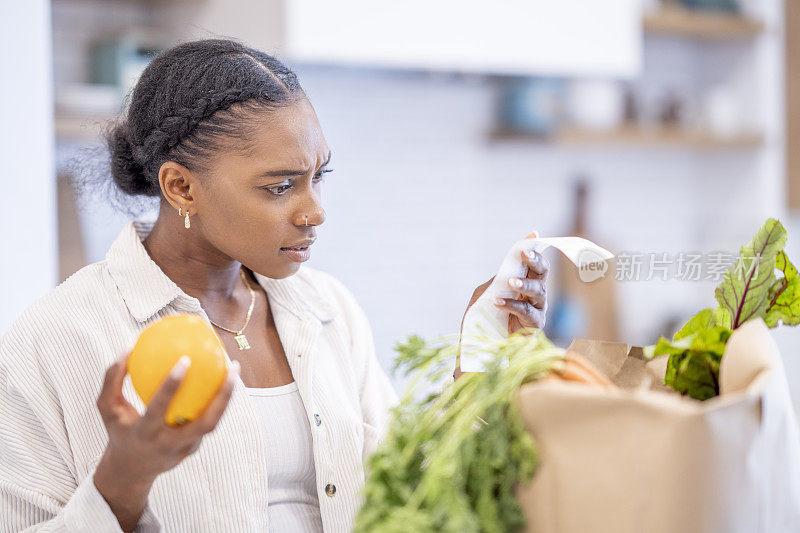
[(177, 184)]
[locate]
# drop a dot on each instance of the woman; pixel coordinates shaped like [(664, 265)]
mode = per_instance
[(227, 139)]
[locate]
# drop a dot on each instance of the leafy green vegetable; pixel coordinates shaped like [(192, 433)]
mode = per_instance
[(744, 291), (450, 461), (749, 289), (693, 366), (784, 295), (702, 320)]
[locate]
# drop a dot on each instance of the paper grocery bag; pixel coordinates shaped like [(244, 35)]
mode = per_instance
[(644, 459)]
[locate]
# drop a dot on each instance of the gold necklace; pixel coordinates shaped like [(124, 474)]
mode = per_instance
[(240, 338)]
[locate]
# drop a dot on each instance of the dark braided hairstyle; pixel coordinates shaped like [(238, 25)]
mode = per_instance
[(188, 99)]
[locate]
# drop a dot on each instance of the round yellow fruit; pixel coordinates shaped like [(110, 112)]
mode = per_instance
[(159, 347)]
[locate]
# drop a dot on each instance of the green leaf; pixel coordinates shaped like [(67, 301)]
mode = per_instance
[(702, 320), (722, 316), (784, 295), (711, 340), (693, 366), (666, 346), (744, 291), (694, 374)]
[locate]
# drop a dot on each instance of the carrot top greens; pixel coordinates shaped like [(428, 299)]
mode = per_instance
[(451, 460)]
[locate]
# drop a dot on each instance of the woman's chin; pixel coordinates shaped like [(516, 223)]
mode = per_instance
[(287, 270)]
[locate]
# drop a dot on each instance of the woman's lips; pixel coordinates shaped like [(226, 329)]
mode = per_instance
[(298, 254)]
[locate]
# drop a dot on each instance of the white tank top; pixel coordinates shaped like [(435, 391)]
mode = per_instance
[(291, 477)]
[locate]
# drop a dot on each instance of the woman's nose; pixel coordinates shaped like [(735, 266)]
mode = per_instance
[(312, 219), (311, 214)]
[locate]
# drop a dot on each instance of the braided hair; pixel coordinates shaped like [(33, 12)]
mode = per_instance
[(185, 103)]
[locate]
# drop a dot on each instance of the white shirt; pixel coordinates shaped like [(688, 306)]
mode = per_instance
[(52, 363), (289, 448)]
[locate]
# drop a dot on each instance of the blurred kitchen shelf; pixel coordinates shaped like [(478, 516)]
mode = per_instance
[(690, 139), (701, 24), (83, 110)]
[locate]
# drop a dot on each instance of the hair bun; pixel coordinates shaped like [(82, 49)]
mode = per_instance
[(128, 174)]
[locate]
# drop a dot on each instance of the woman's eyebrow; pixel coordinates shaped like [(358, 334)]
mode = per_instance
[(287, 172), (279, 173)]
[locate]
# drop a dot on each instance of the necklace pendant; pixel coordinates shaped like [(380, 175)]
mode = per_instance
[(241, 340)]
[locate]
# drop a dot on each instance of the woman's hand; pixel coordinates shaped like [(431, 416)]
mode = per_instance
[(142, 447), (530, 306), (528, 310)]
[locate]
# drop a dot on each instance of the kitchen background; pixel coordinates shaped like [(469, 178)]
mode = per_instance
[(657, 129)]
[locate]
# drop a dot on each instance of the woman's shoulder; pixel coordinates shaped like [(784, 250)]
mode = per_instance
[(350, 315), (328, 287)]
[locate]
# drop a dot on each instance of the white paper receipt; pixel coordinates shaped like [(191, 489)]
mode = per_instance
[(484, 319)]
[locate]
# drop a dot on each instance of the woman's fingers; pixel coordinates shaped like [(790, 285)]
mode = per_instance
[(538, 265), (530, 306), (210, 416), (110, 396), (528, 315), (534, 290), (157, 408)]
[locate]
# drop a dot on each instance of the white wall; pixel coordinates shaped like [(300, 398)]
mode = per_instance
[(28, 269)]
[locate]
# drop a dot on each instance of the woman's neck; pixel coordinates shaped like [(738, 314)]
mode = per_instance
[(198, 269)]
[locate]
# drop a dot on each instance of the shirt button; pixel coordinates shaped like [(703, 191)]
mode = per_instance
[(330, 489), (317, 420), (299, 355)]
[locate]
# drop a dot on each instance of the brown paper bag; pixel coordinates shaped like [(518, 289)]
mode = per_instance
[(644, 459)]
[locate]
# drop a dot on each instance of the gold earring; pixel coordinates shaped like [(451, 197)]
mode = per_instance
[(186, 222)]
